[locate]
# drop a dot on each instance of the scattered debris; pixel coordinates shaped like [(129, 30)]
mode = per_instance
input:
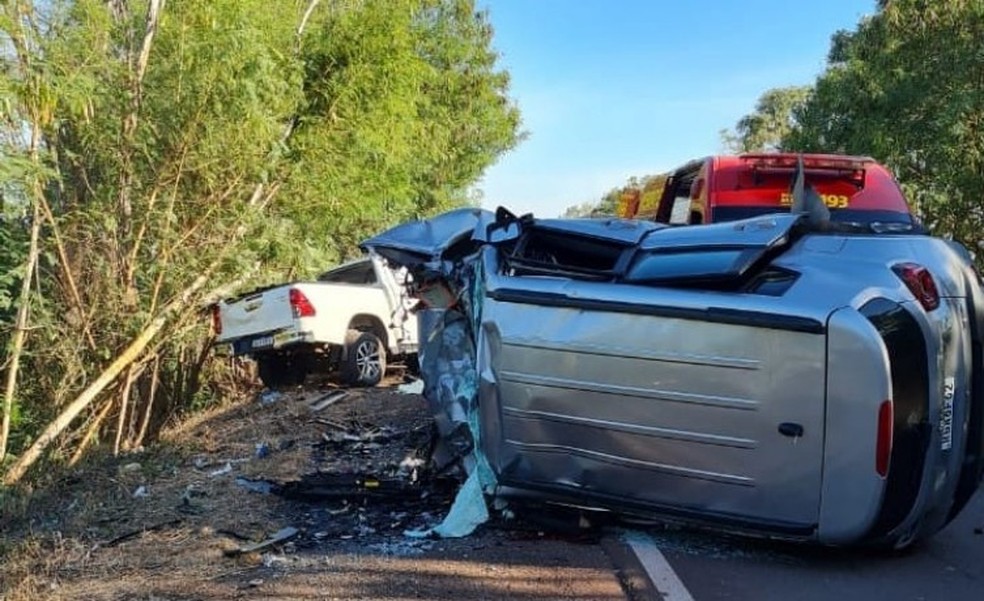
[(262, 450), (281, 536), (369, 434), (258, 486), (135, 533), (467, 513), (190, 492), (402, 548), (414, 387), (330, 423), (328, 486), (225, 469), (130, 468), (411, 467), (268, 397), (141, 492), (327, 400), (270, 560)]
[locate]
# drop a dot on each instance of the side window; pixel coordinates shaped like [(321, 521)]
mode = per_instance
[(361, 274), (684, 189), (680, 214)]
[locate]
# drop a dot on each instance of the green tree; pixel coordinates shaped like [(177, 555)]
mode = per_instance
[(906, 87), (765, 128), (604, 207), (179, 150), (404, 110)]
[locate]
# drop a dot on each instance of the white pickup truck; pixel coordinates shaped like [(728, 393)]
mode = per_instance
[(350, 320)]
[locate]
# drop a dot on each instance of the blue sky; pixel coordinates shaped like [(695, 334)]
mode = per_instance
[(611, 89)]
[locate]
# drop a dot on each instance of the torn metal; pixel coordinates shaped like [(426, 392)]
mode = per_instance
[(733, 373)]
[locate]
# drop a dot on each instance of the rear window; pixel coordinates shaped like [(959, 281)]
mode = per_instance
[(359, 273), (865, 186), (693, 265)]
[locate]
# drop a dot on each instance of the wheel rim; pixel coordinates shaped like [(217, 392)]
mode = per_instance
[(368, 360)]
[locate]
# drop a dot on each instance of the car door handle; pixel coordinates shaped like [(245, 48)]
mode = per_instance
[(791, 430)]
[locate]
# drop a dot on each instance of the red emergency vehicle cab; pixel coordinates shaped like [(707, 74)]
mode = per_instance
[(725, 188)]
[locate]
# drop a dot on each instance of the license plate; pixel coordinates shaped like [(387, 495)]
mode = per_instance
[(946, 415), (263, 342), (834, 201)]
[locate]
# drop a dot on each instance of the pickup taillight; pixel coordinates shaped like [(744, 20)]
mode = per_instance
[(216, 320), (300, 304)]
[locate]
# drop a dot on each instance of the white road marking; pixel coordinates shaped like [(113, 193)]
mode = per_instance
[(657, 568)]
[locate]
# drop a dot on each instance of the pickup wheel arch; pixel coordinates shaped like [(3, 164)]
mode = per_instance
[(365, 322)]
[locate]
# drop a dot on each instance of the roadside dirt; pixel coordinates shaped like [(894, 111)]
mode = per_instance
[(174, 522)]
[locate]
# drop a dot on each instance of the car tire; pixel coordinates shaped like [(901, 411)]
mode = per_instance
[(365, 359), (281, 371)]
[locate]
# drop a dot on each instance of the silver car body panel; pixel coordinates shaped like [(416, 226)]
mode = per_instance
[(687, 421), (684, 397)]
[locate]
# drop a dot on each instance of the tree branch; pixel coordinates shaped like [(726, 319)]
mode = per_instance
[(129, 355)]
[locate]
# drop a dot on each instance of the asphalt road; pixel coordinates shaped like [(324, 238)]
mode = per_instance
[(948, 567)]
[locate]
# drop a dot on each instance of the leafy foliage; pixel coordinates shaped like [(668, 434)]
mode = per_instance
[(907, 87), (245, 140), (404, 109), (605, 206), (765, 128)]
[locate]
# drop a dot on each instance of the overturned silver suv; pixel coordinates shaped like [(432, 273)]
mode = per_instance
[(777, 375)]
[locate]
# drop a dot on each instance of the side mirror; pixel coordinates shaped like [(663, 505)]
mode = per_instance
[(503, 232), (506, 227)]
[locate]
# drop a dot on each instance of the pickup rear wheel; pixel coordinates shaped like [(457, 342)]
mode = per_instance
[(279, 371), (365, 359)]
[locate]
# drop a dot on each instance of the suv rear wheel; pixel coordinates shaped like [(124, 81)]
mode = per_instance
[(365, 359)]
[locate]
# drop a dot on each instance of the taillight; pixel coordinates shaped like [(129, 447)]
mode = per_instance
[(883, 444), (216, 320), (300, 304), (920, 282)]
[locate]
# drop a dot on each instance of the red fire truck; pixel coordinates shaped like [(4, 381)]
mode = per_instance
[(725, 188)]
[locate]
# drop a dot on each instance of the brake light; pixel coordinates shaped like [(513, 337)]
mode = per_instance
[(883, 444), (851, 169), (300, 304), (920, 282), (819, 162), (216, 320)]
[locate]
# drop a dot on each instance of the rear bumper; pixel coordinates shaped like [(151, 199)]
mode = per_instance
[(263, 342), (925, 364)]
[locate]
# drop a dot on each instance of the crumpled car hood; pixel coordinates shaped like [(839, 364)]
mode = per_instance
[(431, 239)]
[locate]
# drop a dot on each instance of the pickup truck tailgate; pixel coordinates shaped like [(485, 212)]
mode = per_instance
[(256, 313)]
